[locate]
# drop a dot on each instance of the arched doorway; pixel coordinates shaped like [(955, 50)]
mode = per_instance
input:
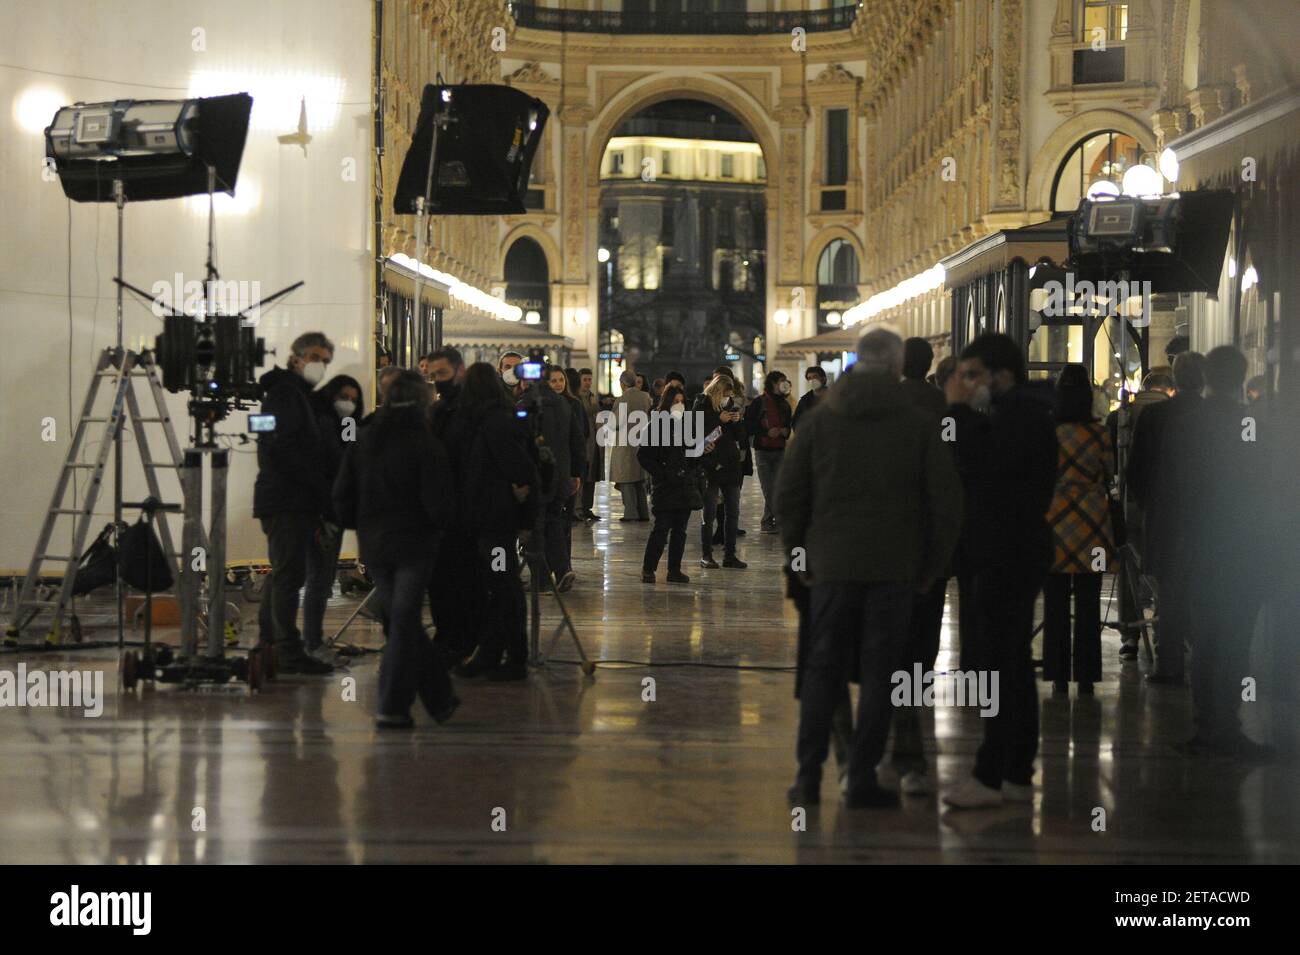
[(527, 277), (681, 238)]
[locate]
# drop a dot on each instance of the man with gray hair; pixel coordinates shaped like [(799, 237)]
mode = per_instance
[(291, 494), (869, 507)]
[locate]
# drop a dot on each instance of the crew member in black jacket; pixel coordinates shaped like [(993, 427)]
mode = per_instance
[(676, 488), (453, 598), (1013, 485), (396, 489), (339, 410), (291, 494), (498, 503)]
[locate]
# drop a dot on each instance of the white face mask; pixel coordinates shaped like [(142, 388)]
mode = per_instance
[(783, 388), (814, 384), (509, 377), (313, 372), (344, 408), (981, 398), (677, 411)]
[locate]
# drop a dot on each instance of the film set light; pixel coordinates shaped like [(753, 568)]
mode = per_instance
[(470, 155), (1175, 242), (157, 149)]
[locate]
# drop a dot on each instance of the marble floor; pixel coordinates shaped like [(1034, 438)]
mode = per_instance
[(563, 768)]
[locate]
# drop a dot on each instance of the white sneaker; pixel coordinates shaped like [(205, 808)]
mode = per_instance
[(916, 784), (1014, 792), (972, 794)]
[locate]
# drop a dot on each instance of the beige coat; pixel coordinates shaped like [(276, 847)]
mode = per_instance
[(623, 465)]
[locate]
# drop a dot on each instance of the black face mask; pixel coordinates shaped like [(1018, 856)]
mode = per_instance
[(446, 389)]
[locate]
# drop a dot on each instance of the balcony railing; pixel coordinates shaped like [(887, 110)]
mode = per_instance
[(656, 22)]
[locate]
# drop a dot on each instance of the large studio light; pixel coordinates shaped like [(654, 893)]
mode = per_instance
[(157, 149), (471, 152)]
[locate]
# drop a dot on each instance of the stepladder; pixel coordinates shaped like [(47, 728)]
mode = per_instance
[(121, 371)]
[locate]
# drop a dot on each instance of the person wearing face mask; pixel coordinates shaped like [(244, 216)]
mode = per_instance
[(815, 378), (676, 489), (1013, 483), (291, 495), (768, 422), (506, 365), (339, 411)]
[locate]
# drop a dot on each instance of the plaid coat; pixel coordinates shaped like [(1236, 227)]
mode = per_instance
[(1079, 515)]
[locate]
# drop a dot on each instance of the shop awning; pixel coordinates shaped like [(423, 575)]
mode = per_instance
[(838, 340), (463, 328), (1043, 241), (402, 281)]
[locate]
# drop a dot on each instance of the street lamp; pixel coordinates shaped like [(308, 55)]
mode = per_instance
[(602, 255)]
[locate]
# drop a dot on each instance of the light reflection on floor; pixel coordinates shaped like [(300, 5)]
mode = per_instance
[(592, 771)]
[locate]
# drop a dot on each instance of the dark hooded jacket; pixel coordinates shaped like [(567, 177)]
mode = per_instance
[(292, 461), (867, 487), (494, 457), (396, 489)]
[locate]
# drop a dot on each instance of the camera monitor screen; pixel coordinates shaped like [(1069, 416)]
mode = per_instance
[(261, 423), (530, 370)]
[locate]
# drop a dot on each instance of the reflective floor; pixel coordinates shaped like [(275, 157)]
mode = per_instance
[(566, 769)]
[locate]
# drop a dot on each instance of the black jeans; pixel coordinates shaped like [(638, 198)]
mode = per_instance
[(874, 619), (454, 596), (730, 517), (557, 531), (504, 622), (1086, 657), (1224, 612), (410, 666), (322, 568), (1005, 597), (670, 528), (1173, 628), (923, 648), (289, 536)]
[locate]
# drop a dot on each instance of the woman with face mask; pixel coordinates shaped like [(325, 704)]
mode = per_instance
[(676, 487), (767, 421), (815, 378), (339, 409)]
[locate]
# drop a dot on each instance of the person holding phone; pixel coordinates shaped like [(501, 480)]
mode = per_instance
[(723, 467)]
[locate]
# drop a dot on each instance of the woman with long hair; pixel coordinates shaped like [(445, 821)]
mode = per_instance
[(396, 489), (724, 467), (499, 491), (1083, 543), (675, 489), (767, 420)]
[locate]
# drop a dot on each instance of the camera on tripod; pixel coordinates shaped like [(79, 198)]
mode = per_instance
[(215, 359)]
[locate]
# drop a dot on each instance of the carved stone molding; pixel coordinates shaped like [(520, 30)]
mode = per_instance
[(531, 74), (834, 75), (1009, 161)]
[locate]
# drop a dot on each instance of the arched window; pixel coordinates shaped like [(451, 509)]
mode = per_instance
[(528, 280), (838, 264), (1100, 156)]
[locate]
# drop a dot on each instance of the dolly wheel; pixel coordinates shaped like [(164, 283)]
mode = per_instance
[(255, 669), (130, 670), (588, 667)]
